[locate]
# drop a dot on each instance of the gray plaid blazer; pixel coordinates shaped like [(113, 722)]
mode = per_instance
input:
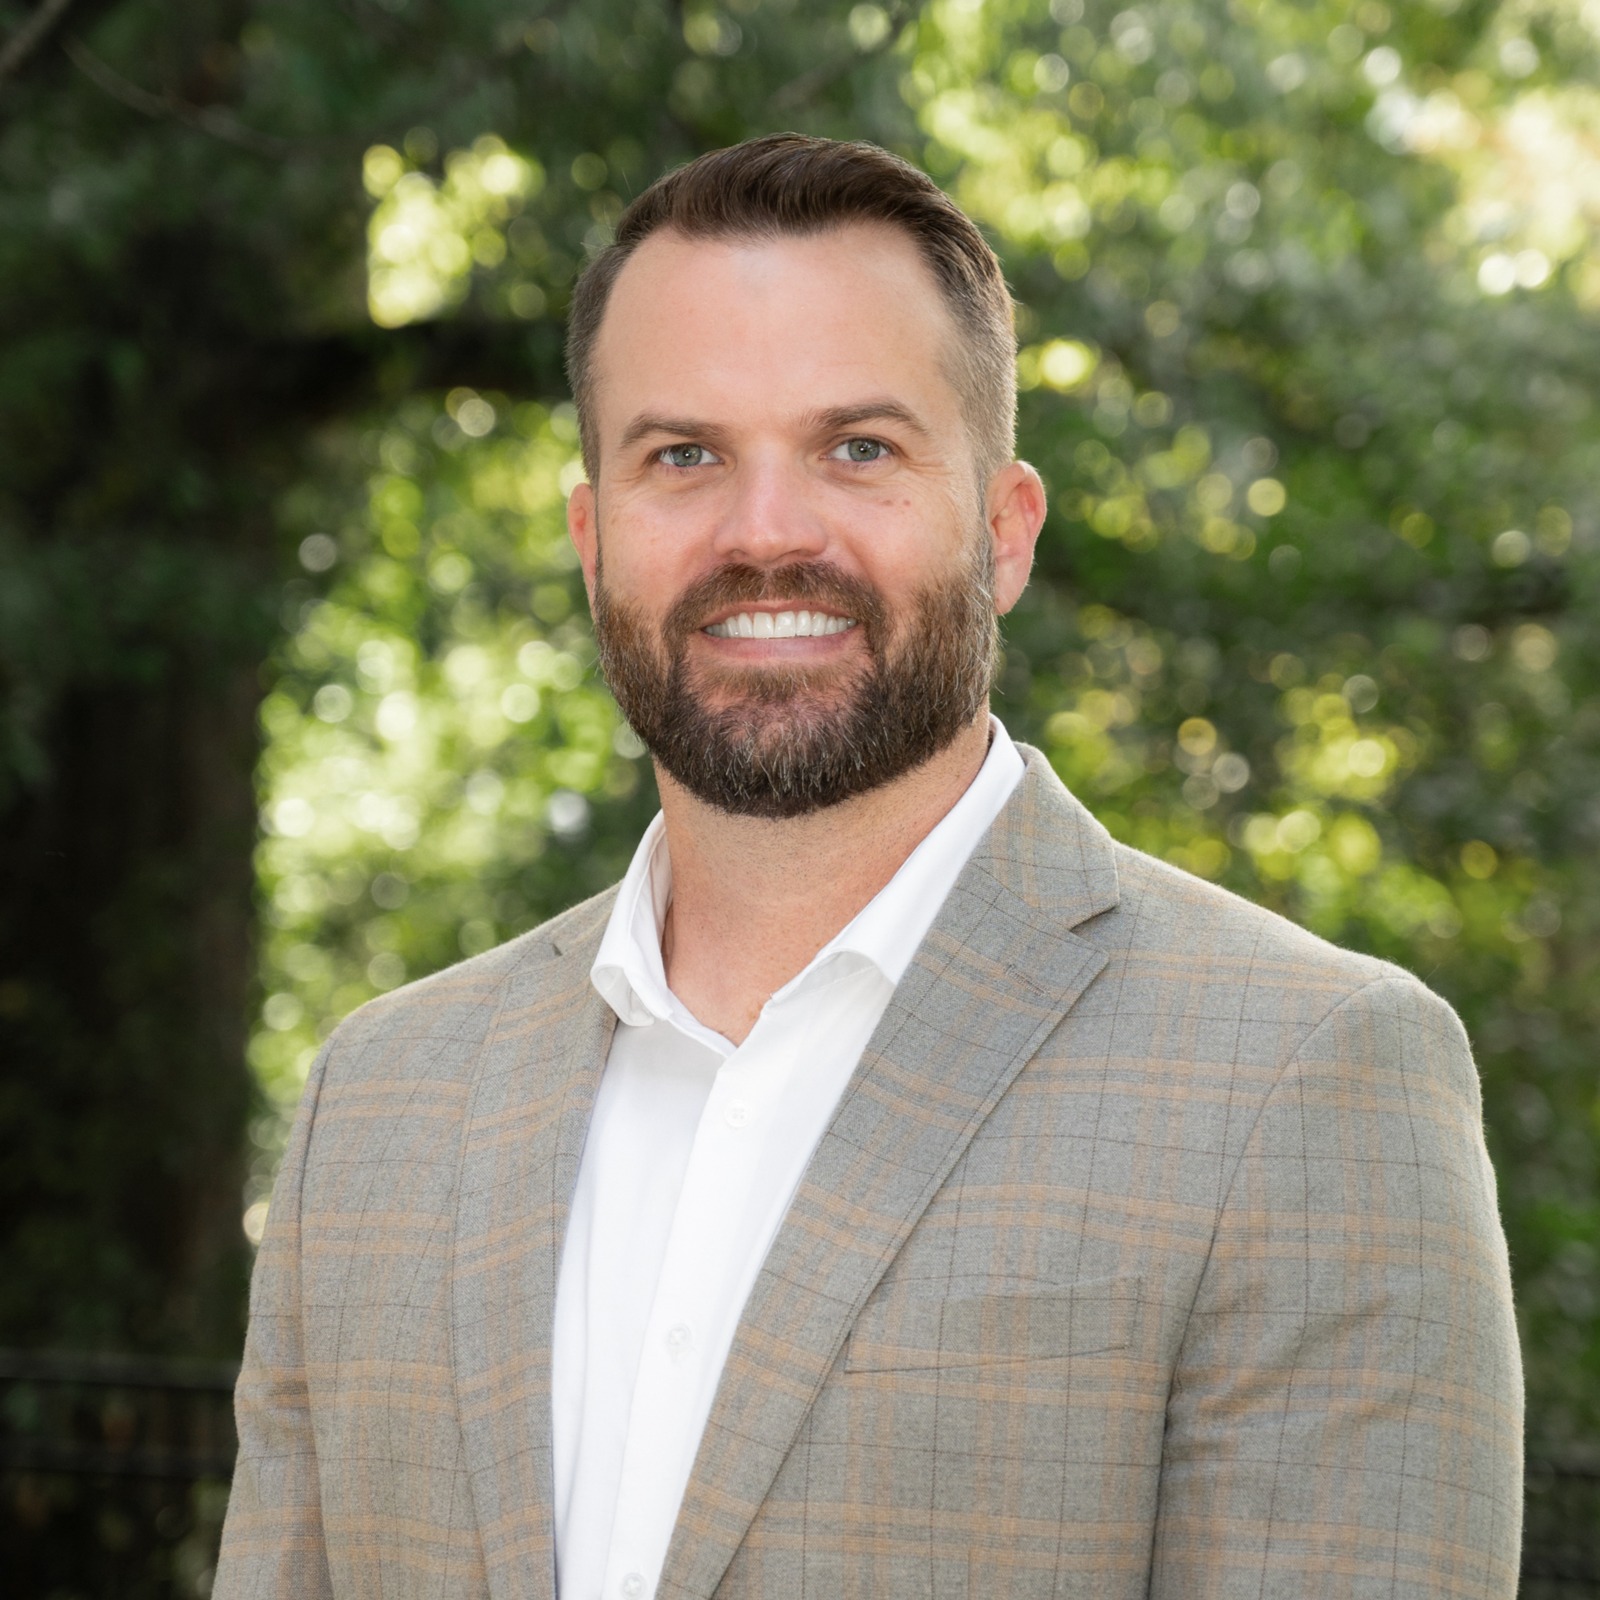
[(1152, 1251)]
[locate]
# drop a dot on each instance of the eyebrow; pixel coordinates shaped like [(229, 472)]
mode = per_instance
[(683, 427), (836, 417), (829, 420)]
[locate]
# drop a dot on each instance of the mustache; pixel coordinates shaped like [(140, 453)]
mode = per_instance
[(805, 584)]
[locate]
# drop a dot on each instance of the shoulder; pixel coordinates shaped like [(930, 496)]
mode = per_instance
[(1191, 972), (1292, 1000), (1164, 913), (444, 1017)]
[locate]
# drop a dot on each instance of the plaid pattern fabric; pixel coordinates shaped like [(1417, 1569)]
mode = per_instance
[(1153, 1250)]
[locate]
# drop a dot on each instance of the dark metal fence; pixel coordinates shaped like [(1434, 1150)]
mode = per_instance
[(126, 1416), (114, 1472), (1561, 1529), (113, 1475)]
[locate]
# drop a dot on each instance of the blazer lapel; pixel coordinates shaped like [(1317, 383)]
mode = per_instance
[(522, 1144), (997, 972)]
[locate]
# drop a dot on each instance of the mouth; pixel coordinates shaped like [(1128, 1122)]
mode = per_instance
[(780, 625)]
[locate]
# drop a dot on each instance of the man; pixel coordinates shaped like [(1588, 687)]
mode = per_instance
[(895, 1187)]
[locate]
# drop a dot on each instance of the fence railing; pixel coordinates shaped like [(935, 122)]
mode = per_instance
[(113, 1474), (114, 1415), (124, 1460), (1561, 1528)]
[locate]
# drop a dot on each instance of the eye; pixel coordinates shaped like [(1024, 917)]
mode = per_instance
[(860, 451), (686, 455)]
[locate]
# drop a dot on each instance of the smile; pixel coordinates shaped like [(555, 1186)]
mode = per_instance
[(779, 625)]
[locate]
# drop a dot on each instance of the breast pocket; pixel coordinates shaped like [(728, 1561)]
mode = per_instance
[(905, 1332)]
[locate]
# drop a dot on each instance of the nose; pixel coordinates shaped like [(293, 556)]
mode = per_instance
[(771, 517)]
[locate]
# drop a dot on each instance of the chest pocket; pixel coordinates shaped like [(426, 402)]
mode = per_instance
[(909, 1333)]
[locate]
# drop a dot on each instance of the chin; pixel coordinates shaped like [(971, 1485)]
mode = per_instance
[(816, 690)]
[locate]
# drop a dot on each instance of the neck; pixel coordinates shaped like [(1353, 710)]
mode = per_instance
[(754, 900)]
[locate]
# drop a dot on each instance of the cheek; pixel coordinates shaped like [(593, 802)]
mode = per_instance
[(905, 538), (649, 552)]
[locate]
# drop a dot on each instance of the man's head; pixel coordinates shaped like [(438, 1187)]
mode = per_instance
[(788, 185), (796, 542)]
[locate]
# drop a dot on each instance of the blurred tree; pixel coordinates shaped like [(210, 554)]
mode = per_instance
[(189, 352), (1310, 361), (1309, 345)]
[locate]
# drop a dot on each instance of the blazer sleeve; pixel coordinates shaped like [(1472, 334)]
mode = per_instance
[(1346, 1414), (272, 1544)]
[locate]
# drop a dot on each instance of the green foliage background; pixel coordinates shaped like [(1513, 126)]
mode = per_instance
[(1309, 351)]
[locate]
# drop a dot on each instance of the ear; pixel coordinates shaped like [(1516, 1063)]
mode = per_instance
[(583, 528), (1015, 514)]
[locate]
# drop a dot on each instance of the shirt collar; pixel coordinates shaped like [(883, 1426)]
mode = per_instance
[(628, 972), (889, 928)]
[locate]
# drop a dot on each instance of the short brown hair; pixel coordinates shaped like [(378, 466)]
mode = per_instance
[(787, 183)]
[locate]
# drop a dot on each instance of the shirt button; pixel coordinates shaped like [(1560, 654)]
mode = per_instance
[(737, 1114), (632, 1586), (679, 1338)]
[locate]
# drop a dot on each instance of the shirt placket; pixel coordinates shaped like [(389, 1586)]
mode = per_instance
[(683, 1349)]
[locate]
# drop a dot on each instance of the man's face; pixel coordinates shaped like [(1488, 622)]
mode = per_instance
[(790, 561)]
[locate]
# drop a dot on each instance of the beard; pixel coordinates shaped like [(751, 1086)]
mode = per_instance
[(783, 741)]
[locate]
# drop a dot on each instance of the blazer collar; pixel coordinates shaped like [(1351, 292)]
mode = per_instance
[(521, 1147), (998, 970), (1048, 851)]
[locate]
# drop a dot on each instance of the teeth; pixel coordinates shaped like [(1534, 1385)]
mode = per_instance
[(780, 625)]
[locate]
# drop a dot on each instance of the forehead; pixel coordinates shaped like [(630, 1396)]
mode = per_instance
[(742, 327)]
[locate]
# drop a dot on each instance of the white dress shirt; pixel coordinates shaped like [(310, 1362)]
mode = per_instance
[(694, 1151)]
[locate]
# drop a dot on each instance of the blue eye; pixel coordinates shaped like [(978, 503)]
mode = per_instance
[(686, 455), (860, 450)]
